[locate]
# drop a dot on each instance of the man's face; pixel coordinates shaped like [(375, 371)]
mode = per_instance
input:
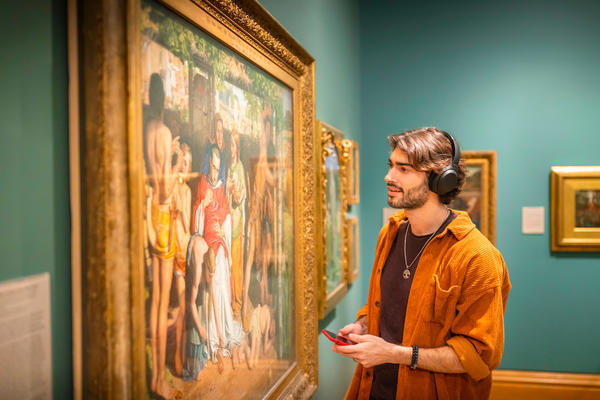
[(234, 149), (219, 132), (215, 163), (407, 187)]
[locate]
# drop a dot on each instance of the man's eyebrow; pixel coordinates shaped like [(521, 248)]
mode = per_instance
[(398, 164)]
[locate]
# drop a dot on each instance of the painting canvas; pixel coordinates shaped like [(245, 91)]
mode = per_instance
[(219, 266), (478, 195), (587, 208), (575, 209), (333, 219)]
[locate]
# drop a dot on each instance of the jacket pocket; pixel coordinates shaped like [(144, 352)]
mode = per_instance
[(444, 302)]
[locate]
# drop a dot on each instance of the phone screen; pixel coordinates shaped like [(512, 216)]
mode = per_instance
[(335, 337)]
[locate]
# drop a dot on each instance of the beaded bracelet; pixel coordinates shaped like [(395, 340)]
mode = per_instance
[(415, 357)]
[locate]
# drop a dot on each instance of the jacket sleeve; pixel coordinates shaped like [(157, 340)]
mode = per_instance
[(478, 329)]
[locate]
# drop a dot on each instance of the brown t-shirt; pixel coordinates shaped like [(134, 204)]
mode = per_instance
[(394, 297)]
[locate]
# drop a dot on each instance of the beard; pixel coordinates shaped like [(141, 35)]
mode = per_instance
[(413, 198)]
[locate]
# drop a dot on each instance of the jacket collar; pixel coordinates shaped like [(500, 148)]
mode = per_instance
[(460, 226)]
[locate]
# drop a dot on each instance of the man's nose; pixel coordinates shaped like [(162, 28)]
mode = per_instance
[(388, 178)]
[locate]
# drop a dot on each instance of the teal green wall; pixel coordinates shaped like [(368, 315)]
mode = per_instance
[(521, 78), (34, 204), (329, 30)]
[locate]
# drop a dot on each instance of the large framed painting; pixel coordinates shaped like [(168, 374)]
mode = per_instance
[(333, 267), (575, 209), (478, 196), (198, 165)]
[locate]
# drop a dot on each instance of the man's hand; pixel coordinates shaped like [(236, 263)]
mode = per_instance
[(358, 328), (370, 350)]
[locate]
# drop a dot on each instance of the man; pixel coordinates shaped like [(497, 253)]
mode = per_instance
[(160, 147), (182, 201), (236, 197), (433, 325), (212, 220)]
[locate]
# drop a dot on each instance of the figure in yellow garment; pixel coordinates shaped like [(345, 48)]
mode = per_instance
[(236, 197), (160, 147), (446, 284), (182, 200)]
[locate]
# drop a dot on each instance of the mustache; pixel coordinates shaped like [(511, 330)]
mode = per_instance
[(391, 185)]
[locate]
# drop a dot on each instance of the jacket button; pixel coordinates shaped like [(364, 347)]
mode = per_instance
[(368, 373), (376, 304)]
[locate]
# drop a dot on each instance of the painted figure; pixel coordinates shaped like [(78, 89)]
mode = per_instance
[(212, 220), (216, 139), (160, 147), (236, 197), (201, 264), (182, 200)]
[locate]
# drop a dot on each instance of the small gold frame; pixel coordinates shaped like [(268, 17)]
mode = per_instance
[(575, 225), (332, 138), (478, 198)]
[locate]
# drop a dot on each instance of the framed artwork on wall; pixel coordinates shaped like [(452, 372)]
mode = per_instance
[(478, 196), (198, 172), (575, 209), (353, 248), (333, 178), (353, 172)]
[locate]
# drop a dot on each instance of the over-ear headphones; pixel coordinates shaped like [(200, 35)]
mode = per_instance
[(447, 180)]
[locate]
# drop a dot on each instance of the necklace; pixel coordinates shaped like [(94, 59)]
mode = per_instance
[(407, 266)]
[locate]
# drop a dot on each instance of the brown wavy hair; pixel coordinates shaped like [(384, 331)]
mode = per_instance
[(428, 149)]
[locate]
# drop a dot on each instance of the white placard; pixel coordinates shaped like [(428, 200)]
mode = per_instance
[(25, 347), (532, 220)]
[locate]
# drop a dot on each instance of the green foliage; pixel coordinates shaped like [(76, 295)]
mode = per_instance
[(187, 43)]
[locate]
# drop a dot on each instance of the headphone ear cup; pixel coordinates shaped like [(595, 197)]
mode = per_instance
[(447, 181), (433, 181)]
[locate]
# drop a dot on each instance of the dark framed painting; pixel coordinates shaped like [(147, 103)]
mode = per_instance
[(575, 209), (198, 240), (478, 196), (333, 267)]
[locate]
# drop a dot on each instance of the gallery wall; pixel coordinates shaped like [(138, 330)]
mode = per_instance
[(520, 79), (517, 77), (34, 175)]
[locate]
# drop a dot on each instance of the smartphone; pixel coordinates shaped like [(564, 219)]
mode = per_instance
[(337, 339)]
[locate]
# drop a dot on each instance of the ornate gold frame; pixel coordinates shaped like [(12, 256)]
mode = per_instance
[(565, 236), (353, 235), (487, 161), (331, 135), (353, 174), (106, 117)]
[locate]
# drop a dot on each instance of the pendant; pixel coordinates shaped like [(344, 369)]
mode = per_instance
[(406, 273)]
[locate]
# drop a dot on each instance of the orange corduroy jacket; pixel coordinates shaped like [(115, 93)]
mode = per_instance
[(457, 298)]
